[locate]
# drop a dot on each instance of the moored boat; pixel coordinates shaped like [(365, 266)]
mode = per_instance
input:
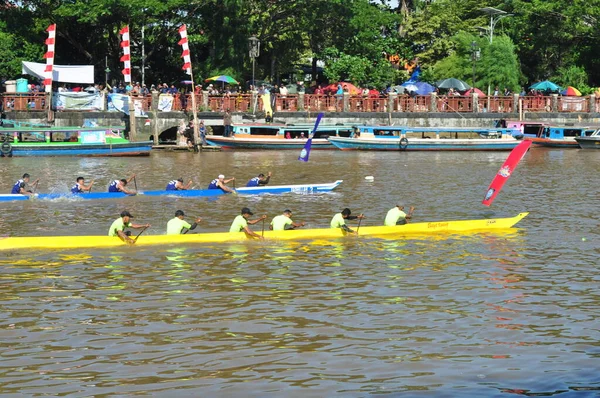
[(83, 242), (69, 141), (560, 136), (192, 193), (278, 136), (390, 138), (589, 142)]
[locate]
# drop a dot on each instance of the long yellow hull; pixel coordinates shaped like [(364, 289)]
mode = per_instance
[(81, 242)]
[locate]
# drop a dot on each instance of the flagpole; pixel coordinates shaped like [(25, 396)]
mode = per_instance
[(194, 111)]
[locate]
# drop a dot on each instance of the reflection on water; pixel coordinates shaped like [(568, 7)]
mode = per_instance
[(444, 315)]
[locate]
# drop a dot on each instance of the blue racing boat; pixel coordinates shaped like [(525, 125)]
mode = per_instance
[(192, 193)]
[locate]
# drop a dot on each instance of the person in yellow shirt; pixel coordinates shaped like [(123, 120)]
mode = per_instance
[(177, 225), (397, 216), (118, 226), (240, 223), (339, 220), (284, 222)]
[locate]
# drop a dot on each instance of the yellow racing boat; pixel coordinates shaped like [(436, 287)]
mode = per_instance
[(82, 242)]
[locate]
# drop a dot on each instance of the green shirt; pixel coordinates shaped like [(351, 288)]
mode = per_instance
[(338, 221), (393, 216), (116, 226), (238, 224), (280, 222), (176, 225)]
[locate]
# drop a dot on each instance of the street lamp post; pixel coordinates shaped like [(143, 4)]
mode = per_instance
[(475, 55), (495, 15), (253, 51)]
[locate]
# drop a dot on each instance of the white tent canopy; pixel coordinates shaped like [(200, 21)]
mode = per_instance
[(83, 74)]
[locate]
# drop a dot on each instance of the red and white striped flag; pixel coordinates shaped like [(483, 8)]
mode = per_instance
[(126, 58), (187, 60), (49, 58)]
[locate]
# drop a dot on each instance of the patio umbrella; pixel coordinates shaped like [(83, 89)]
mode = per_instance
[(222, 78), (546, 85), (571, 91), (453, 83), (476, 90)]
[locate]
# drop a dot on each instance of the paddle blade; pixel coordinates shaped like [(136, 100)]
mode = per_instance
[(306, 150), (505, 171)]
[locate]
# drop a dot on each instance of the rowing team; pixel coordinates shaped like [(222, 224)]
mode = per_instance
[(283, 222), (21, 186)]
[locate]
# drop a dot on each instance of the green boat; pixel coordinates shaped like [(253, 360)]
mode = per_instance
[(68, 141)]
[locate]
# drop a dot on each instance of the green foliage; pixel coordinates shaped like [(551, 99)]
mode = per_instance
[(574, 76), (542, 39)]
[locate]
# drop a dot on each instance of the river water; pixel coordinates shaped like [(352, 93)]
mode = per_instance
[(447, 315)]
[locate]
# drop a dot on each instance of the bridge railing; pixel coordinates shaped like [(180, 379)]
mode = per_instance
[(331, 103)]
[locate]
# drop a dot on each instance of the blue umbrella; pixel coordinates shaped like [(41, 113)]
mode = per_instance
[(421, 88), (546, 85)]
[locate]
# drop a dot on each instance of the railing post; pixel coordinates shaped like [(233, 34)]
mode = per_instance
[(515, 103), (300, 102), (475, 103), (592, 107), (392, 96), (433, 106), (205, 99), (154, 104), (154, 108), (554, 104), (132, 123), (346, 104)]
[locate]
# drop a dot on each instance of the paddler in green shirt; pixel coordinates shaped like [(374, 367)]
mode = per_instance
[(284, 222), (339, 220), (240, 223), (178, 225), (397, 216), (118, 226)]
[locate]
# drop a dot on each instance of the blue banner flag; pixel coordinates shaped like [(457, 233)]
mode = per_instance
[(306, 150)]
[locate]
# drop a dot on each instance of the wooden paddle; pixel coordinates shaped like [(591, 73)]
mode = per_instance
[(359, 221), (263, 228), (141, 232)]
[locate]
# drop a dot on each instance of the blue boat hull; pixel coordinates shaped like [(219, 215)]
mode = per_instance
[(275, 189), (124, 149)]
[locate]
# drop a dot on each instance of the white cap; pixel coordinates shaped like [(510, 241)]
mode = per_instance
[(221, 176)]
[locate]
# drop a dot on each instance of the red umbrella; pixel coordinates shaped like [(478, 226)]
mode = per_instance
[(352, 89), (478, 91)]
